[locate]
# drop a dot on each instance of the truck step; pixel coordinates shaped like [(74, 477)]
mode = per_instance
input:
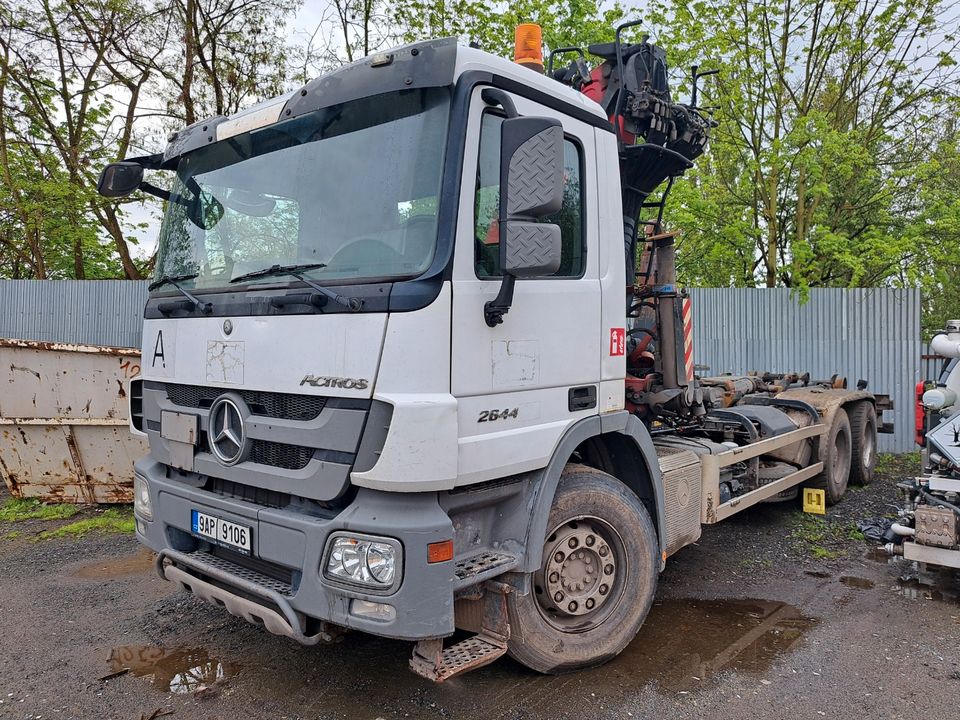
[(461, 657), (202, 558), (482, 566)]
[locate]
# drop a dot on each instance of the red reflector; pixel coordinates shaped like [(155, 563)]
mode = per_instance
[(440, 551)]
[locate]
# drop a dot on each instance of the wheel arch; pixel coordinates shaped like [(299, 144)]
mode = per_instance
[(617, 444)]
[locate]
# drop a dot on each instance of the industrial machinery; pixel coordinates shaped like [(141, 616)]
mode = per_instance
[(416, 360), (927, 528)]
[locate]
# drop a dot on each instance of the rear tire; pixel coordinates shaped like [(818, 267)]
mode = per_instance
[(597, 581), (863, 426), (835, 454)]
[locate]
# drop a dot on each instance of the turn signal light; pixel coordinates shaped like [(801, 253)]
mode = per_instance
[(440, 551), (528, 46)]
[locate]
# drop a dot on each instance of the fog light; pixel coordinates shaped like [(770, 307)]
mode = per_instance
[(141, 498), (373, 610), (141, 527), (369, 561)]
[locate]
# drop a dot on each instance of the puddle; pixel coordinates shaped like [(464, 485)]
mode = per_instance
[(136, 564), (856, 582), (817, 573), (179, 671), (942, 585), (881, 556), (684, 642)]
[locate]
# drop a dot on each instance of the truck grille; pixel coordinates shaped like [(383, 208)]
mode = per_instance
[(247, 493), (285, 406), (290, 457)]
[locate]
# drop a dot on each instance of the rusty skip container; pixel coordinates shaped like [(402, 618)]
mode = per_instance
[(64, 434)]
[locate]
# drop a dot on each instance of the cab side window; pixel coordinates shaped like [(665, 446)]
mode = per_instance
[(487, 206)]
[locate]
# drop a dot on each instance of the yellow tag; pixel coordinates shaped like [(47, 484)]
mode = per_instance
[(814, 501)]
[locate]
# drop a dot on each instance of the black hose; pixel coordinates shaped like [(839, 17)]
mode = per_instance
[(943, 503)]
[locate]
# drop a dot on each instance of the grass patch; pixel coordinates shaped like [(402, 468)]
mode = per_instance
[(823, 553), (900, 465), (12, 535), (114, 520), (16, 509), (810, 528), (820, 538), (853, 532)]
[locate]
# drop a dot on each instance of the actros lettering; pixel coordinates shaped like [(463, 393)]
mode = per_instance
[(335, 382)]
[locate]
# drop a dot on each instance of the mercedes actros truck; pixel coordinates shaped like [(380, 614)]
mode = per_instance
[(415, 359)]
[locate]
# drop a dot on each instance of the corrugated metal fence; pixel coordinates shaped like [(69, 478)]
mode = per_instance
[(869, 334), (92, 312)]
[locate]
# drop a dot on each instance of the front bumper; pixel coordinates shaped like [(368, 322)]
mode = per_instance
[(295, 541)]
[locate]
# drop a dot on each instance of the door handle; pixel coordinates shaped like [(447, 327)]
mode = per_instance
[(582, 398)]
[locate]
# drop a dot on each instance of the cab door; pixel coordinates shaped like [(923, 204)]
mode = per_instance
[(521, 384)]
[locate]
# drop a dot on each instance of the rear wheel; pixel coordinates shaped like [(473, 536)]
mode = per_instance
[(835, 454), (597, 580), (863, 427)]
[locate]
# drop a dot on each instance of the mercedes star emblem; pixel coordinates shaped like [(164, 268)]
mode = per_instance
[(226, 432), (227, 327)]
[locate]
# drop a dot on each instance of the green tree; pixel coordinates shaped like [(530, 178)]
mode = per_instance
[(491, 24), (826, 109)]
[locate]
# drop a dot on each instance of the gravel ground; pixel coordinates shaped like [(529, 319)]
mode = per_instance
[(772, 614)]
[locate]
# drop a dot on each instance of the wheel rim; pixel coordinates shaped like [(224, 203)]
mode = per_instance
[(869, 447), (582, 577), (841, 458)]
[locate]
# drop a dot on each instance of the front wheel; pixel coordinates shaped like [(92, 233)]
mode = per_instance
[(597, 579)]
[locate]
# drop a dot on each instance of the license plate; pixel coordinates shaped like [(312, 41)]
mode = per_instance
[(222, 532)]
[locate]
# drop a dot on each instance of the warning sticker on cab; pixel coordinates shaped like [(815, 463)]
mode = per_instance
[(618, 341)]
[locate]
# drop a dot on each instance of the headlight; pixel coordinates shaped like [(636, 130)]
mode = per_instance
[(141, 498), (373, 562)]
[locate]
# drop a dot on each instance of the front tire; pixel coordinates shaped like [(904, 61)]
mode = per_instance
[(597, 580)]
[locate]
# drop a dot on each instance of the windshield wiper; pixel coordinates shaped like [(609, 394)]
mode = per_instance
[(175, 280), (353, 304)]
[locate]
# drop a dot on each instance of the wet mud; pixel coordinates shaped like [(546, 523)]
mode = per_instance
[(119, 567)]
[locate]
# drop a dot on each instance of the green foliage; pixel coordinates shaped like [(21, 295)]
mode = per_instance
[(898, 466), (819, 537), (112, 521), (835, 159), (16, 509), (491, 24)]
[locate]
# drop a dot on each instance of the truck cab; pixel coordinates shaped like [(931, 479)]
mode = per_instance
[(385, 368)]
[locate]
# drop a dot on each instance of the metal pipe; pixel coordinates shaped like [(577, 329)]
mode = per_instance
[(903, 530), (933, 499), (946, 344), (666, 289)]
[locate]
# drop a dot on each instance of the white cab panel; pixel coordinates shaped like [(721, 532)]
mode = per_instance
[(550, 340), (272, 353), (420, 452)]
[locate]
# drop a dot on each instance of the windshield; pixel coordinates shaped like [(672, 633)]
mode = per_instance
[(353, 187)]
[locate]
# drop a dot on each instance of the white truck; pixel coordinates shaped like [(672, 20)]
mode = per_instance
[(404, 374), (928, 527)]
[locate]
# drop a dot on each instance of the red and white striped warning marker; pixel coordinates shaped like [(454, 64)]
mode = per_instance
[(688, 338)]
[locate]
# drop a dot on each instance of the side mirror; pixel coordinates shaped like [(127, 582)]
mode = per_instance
[(120, 179), (531, 187)]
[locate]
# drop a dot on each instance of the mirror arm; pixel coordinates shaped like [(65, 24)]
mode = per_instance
[(494, 310), (156, 191), (494, 96)]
